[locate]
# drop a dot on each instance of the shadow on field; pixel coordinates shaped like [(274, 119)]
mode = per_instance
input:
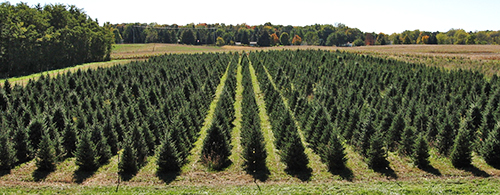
[(261, 175), (387, 171), (4, 172), (476, 171), (304, 174), (40, 175), (346, 173), (430, 169), (80, 175), (168, 177)]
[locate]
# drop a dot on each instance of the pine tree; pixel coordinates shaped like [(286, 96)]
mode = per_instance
[(86, 153), (421, 151), (128, 160), (334, 154), (376, 155), (293, 154), (215, 152), (46, 155), (7, 152), (491, 147), (461, 153), (69, 140), (102, 148), (445, 138), (21, 146), (407, 140), (168, 158)]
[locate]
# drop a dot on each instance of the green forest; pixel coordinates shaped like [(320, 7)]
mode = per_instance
[(41, 38)]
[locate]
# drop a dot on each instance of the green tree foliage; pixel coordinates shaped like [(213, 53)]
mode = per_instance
[(334, 153), (21, 146), (311, 38), (491, 147), (421, 151), (376, 155), (168, 158), (216, 150), (407, 140), (188, 38), (128, 159), (406, 40), (37, 39), (461, 153), (285, 38), (7, 153), (264, 39), (46, 155), (220, 41), (86, 153)]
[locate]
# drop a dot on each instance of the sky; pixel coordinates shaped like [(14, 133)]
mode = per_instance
[(387, 16)]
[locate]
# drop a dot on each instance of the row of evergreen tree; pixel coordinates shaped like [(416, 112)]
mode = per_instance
[(393, 105), (217, 144), (252, 139), (93, 114), (287, 138)]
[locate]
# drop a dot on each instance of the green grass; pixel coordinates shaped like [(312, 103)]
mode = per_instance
[(449, 186), (23, 80)]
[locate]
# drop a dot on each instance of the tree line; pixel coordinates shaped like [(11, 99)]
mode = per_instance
[(41, 38)]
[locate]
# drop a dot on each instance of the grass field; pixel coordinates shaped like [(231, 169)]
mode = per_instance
[(403, 178)]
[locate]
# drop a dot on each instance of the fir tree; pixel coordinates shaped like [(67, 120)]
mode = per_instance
[(102, 148), (334, 154), (86, 153), (445, 138), (293, 154), (139, 144), (7, 152), (128, 160), (215, 152), (461, 153), (168, 158), (407, 140), (376, 155), (69, 140), (395, 131), (111, 137), (21, 146), (35, 130), (46, 155), (421, 151), (491, 147)]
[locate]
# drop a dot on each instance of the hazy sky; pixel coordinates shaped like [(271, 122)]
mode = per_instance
[(386, 16)]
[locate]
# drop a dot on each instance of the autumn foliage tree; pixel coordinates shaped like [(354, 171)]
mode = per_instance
[(296, 40)]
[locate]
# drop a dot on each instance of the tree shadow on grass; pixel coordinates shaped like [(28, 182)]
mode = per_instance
[(81, 175), (345, 173), (4, 172), (40, 175), (386, 171), (168, 177), (476, 171), (302, 174), (430, 169)]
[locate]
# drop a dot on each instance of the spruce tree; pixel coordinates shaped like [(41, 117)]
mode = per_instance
[(21, 146), (7, 152), (168, 158), (139, 144), (407, 140), (215, 152), (376, 155), (128, 160), (445, 138), (461, 153), (102, 148), (69, 140), (395, 131), (421, 151), (86, 153), (111, 137), (334, 154), (292, 153), (35, 131), (491, 147), (46, 155)]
